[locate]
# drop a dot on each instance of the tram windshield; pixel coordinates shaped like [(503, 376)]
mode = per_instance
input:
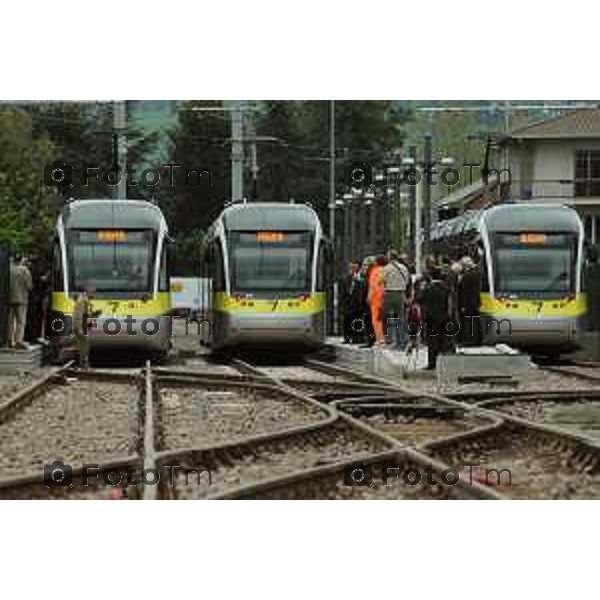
[(119, 262), (270, 262), (536, 264)]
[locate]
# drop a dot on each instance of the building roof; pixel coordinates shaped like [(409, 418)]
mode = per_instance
[(580, 123), (469, 192)]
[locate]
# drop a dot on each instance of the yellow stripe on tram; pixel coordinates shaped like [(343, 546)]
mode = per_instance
[(117, 308), (311, 304), (507, 307)]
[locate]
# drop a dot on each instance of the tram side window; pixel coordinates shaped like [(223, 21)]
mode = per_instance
[(205, 264), (324, 267), (57, 271), (484, 273), (218, 270), (321, 269), (163, 279)]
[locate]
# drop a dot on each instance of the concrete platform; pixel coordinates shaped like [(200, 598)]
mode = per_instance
[(483, 362), (378, 360), (13, 361)]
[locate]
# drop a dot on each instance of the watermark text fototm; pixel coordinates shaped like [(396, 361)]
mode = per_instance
[(61, 325), (66, 176), (361, 474), (361, 175), (59, 474), (447, 327)]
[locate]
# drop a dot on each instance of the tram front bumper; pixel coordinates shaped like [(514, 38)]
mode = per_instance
[(278, 329), (150, 333), (530, 332)]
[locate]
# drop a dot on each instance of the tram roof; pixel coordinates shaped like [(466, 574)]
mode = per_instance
[(269, 215), (112, 214), (548, 217)]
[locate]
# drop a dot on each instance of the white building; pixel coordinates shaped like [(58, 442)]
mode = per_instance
[(558, 159)]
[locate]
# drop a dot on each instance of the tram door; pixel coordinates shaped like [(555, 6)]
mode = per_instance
[(592, 287), (4, 295), (326, 283)]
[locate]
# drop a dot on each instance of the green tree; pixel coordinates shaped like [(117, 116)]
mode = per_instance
[(27, 207), (200, 142), (298, 167), (83, 135)]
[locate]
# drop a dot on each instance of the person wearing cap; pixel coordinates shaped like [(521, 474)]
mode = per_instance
[(396, 284), (81, 316), (20, 286)]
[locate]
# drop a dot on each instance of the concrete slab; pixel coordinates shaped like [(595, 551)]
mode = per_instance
[(493, 362), (354, 356), (485, 363), (393, 362), (13, 361), (379, 360)]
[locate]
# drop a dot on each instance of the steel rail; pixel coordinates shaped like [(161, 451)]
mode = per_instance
[(356, 423), (26, 396), (305, 476), (258, 381), (481, 396), (149, 452), (564, 370), (36, 477)]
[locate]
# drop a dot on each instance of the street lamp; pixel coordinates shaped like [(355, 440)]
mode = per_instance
[(348, 225), (446, 162)]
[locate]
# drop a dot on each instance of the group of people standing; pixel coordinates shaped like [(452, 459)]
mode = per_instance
[(27, 302), (385, 303), (375, 298), (20, 286)]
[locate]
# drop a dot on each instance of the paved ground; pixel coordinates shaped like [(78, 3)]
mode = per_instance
[(186, 339)]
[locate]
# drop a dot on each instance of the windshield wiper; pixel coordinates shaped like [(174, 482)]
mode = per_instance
[(556, 280)]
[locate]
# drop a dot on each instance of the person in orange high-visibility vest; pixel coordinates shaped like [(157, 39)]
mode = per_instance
[(376, 289)]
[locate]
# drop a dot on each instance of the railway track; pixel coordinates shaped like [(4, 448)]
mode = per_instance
[(245, 428), (413, 424), (195, 413), (552, 456), (329, 480), (579, 413), (528, 460), (246, 463), (11, 384), (246, 431), (523, 438), (480, 396), (579, 371), (89, 419), (296, 433)]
